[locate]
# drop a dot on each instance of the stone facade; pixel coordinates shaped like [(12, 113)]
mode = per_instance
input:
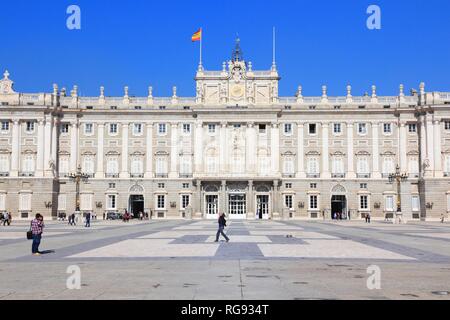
[(235, 147)]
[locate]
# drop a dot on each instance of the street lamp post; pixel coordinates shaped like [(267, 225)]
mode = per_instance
[(77, 177), (398, 178)]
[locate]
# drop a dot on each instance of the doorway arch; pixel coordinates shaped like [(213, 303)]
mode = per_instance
[(338, 201), (136, 200)]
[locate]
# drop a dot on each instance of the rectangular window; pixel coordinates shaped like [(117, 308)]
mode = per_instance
[(262, 128), (313, 185), (362, 128), (5, 126), (313, 202), (389, 203), (161, 202), (363, 185), (137, 129), (312, 128), (288, 185), (64, 128), (211, 128), (186, 128), (412, 128), (288, 201), (387, 128), (288, 128), (113, 128), (29, 126), (111, 202), (161, 185), (88, 128), (364, 202), (337, 128), (185, 185), (415, 203), (25, 202), (162, 128), (112, 185), (184, 201), (447, 125)]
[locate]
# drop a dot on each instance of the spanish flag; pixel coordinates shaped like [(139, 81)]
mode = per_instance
[(197, 36)]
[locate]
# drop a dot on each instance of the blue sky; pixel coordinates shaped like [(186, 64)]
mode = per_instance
[(143, 42)]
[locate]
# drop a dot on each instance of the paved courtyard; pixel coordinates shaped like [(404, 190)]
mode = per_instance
[(263, 260)]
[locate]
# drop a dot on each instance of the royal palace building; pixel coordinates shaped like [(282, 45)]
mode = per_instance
[(236, 147)]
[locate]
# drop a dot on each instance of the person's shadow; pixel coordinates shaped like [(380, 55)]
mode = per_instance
[(47, 251)]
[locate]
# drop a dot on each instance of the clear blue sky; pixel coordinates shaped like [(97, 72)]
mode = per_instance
[(145, 42)]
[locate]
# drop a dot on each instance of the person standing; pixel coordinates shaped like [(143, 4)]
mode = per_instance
[(88, 220), (37, 227), (222, 224)]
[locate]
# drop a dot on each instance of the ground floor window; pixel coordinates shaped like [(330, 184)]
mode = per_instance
[(363, 202), (313, 202), (112, 203), (288, 201), (389, 203), (161, 202), (184, 201), (415, 203)]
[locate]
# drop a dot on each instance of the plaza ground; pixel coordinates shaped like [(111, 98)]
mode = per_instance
[(264, 260)]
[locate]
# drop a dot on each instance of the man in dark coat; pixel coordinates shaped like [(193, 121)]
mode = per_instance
[(222, 225)]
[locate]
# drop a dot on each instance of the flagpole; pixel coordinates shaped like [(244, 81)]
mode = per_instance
[(201, 45)]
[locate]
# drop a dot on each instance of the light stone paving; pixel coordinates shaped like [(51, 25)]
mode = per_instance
[(21, 235), (343, 249), (295, 234), (244, 239), (431, 235)]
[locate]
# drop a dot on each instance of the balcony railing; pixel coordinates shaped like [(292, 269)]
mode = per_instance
[(4, 174), (363, 175), (288, 175), (313, 175), (161, 175), (111, 175), (186, 175), (137, 175), (338, 175), (26, 174)]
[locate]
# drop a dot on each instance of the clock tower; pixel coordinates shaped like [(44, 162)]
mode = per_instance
[(237, 83)]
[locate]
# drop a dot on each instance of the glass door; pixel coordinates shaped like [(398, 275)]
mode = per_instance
[(237, 206), (212, 205), (262, 206)]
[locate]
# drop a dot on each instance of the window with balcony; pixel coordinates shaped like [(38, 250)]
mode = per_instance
[(28, 165), (186, 167), (112, 168), (312, 167), (88, 165), (337, 167), (362, 167), (288, 167), (4, 165), (161, 167), (63, 166), (388, 166), (137, 168)]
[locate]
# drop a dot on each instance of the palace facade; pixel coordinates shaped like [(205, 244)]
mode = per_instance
[(236, 147)]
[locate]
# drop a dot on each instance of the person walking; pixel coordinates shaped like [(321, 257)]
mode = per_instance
[(88, 220), (442, 218), (37, 227), (6, 218), (222, 224)]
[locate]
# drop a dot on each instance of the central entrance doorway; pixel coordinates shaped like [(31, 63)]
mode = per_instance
[(136, 205), (237, 206), (212, 205), (262, 206), (338, 207)]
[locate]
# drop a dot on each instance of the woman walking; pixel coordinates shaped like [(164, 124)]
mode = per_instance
[(222, 224)]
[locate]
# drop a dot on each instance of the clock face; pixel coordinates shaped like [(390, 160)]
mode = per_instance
[(237, 91)]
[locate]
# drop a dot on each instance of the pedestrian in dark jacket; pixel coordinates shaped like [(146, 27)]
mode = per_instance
[(88, 220), (222, 224)]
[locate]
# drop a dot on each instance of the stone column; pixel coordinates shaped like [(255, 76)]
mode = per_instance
[(73, 146), (223, 197), (375, 151), (402, 148), (275, 200), (251, 148), (55, 140), (149, 152), (198, 163), (275, 148), (15, 146), (250, 201), (423, 144), (437, 149), (300, 151), (100, 150), (174, 151), (430, 145), (47, 146), (325, 153), (124, 170), (223, 147), (350, 153), (40, 150)]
